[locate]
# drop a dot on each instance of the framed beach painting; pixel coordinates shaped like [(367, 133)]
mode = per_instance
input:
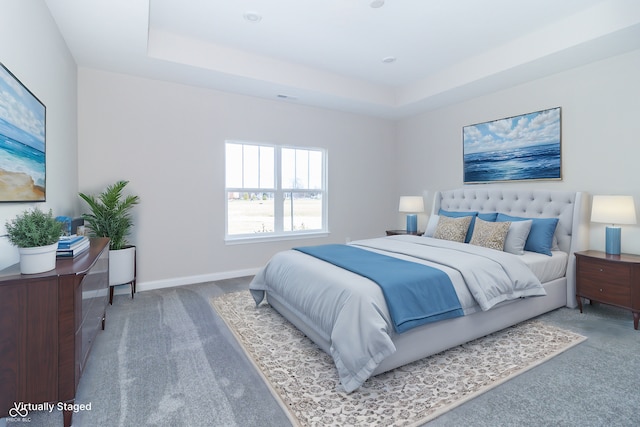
[(524, 147), (22, 142)]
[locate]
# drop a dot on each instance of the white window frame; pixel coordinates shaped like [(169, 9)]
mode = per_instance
[(279, 233)]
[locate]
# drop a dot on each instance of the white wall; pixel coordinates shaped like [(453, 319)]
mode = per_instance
[(600, 135), (32, 48), (168, 141)]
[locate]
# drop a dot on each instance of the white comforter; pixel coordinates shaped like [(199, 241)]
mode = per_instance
[(350, 312)]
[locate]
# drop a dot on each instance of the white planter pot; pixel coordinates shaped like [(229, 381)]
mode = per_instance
[(122, 266), (38, 259)]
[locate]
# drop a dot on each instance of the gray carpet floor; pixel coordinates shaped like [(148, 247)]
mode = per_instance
[(167, 359)]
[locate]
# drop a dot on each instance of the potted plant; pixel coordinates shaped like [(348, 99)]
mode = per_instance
[(110, 217), (36, 235)]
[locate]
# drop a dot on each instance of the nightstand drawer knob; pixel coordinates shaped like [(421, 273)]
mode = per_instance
[(600, 289), (601, 270)]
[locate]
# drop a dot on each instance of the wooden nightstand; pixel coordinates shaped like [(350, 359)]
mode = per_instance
[(398, 232), (609, 279)]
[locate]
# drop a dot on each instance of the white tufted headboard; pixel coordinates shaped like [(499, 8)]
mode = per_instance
[(570, 208)]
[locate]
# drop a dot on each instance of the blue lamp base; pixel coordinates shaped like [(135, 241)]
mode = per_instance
[(612, 239), (412, 223)]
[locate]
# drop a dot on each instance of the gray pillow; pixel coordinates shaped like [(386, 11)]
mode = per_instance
[(517, 236), (431, 226)]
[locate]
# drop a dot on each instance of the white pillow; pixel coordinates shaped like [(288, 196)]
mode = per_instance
[(517, 237), (431, 226)]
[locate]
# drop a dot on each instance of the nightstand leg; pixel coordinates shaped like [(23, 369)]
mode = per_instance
[(579, 299), (636, 317)]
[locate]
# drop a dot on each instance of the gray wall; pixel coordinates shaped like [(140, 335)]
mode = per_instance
[(32, 48), (168, 141), (600, 129)]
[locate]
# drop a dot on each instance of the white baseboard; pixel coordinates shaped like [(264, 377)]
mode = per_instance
[(187, 280)]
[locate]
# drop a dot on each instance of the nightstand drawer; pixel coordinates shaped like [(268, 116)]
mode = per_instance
[(606, 292), (610, 279), (611, 273)]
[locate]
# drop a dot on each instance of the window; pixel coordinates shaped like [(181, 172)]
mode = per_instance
[(274, 191)]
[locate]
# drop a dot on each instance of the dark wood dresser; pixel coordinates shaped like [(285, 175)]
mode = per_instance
[(609, 279), (48, 322)]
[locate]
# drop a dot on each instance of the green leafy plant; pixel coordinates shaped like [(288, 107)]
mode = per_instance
[(110, 214), (34, 228)]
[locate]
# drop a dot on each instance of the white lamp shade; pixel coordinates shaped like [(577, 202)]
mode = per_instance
[(613, 210), (411, 204)]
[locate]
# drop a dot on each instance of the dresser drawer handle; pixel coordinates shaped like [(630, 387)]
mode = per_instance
[(601, 269), (600, 289)]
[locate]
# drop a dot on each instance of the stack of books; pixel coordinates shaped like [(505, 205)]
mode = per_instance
[(72, 246)]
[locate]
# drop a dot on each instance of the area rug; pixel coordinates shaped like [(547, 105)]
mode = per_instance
[(304, 379)]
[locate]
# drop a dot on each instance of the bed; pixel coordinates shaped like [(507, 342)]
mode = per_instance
[(346, 314)]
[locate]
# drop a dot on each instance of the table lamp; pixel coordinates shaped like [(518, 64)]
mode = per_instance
[(411, 205), (613, 210)]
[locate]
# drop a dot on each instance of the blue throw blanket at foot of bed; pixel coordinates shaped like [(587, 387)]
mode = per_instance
[(416, 294)]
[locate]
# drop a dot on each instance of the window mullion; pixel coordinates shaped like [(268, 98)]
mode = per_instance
[(278, 203), (242, 165)]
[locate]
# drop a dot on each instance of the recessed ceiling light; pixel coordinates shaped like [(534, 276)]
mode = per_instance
[(252, 17), (389, 59), (376, 3)]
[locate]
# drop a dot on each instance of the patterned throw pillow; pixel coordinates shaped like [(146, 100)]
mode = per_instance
[(450, 228), (490, 234)]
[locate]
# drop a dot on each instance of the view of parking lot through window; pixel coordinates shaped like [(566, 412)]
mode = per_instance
[(258, 203)]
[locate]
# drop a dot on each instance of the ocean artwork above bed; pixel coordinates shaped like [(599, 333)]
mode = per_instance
[(525, 147)]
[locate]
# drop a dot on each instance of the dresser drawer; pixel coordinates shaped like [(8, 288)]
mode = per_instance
[(602, 271)]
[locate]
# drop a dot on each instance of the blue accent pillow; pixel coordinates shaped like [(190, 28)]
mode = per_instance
[(489, 217), (540, 237), (453, 214)]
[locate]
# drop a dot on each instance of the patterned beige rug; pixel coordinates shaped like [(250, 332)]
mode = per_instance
[(304, 379)]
